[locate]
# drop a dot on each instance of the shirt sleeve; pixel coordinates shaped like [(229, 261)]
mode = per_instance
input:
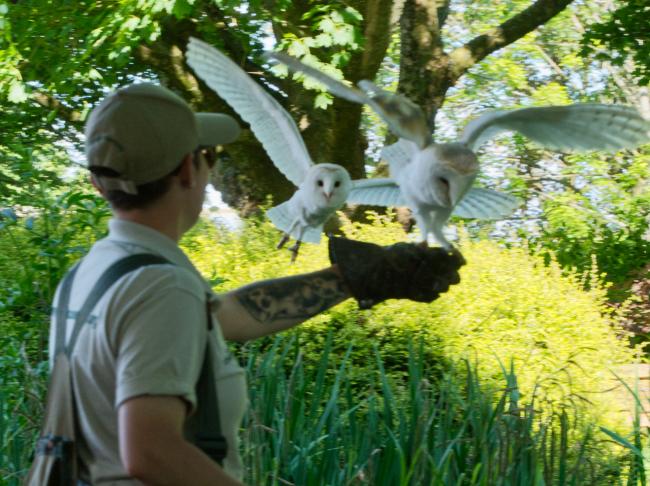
[(161, 343)]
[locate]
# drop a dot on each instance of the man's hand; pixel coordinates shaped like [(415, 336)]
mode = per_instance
[(375, 273)]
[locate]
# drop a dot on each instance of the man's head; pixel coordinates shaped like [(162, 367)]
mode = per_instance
[(137, 137)]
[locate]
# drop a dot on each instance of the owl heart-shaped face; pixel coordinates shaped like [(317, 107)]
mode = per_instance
[(329, 183)]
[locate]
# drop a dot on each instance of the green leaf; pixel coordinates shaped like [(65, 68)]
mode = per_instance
[(323, 100), (344, 35), (351, 15), (327, 25), (182, 8), (17, 92), (323, 40), (624, 442), (297, 49)]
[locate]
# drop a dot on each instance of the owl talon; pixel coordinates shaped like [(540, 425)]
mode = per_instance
[(283, 241), (294, 251)]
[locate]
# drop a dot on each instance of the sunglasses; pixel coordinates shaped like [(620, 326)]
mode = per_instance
[(209, 154)]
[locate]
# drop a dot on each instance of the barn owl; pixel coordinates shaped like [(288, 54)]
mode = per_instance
[(321, 188), (435, 179)]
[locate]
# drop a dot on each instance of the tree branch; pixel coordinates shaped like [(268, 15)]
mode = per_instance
[(48, 101), (462, 58)]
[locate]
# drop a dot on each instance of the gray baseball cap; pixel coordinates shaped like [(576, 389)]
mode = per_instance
[(143, 131)]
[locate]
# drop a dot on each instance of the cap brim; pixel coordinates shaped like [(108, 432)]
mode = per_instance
[(216, 129)]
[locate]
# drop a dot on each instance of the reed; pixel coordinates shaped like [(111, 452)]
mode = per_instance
[(314, 428)]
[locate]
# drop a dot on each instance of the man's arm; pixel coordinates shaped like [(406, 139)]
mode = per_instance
[(370, 273), (269, 306), (153, 449)]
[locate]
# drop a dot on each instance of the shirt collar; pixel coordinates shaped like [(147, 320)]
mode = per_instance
[(152, 241)]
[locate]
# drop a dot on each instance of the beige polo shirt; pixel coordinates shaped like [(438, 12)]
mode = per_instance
[(146, 336)]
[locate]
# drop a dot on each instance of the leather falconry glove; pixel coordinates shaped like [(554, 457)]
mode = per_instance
[(375, 273)]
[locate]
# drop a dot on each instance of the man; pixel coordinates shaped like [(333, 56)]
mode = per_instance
[(136, 363)]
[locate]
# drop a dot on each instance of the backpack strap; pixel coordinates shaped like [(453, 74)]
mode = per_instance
[(61, 316), (108, 278), (209, 437)]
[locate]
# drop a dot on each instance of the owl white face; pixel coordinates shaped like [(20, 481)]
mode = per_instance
[(329, 183)]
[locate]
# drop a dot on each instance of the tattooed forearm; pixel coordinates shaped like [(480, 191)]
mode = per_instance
[(292, 298)]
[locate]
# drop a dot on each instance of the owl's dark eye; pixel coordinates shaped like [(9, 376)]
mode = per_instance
[(337, 183), (320, 183)]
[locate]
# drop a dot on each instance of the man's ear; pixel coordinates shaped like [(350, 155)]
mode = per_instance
[(96, 185), (187, 172)]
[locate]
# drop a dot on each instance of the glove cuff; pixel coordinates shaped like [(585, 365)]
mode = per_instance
[(355, 260)]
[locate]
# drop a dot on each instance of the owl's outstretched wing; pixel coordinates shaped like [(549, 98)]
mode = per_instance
[(398, 155), (270, 123), (403, 117), (376, 192), (482, 203), (578, 127), (334, 86)]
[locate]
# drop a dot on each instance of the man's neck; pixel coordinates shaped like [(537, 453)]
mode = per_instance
[(161, 221)]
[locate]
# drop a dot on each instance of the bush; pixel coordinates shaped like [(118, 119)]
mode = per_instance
[(509, 306)]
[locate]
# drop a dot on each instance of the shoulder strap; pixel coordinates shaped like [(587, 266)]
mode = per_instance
[(61, 315), (108, 278), (209, 437)]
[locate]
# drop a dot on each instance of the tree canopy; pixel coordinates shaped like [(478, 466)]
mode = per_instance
[(454, 58)]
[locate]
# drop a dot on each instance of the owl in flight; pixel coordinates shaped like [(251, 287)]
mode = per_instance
[(435, 179), (322, 188)]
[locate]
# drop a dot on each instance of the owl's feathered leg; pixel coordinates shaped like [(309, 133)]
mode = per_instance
[(286, 236), (422, 221), (283, 241), (294, 249), (438, 220)]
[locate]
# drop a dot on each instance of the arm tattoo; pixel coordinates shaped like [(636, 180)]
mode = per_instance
[(295, 298)]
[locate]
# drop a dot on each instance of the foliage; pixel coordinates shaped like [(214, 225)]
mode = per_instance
[(510, 306), (311, 427), (40, 242), (636, 442), (22, 394), (575, 206), (623, 34)]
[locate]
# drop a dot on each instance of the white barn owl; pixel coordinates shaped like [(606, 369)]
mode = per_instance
[(322, 188), (435, 179)]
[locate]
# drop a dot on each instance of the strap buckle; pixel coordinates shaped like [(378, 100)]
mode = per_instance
[(54, 445)]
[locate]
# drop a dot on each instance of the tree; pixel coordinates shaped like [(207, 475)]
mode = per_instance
[(61, 57), (623, 35)]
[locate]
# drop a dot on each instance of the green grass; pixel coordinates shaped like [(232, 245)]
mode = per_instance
[(313, 425), (309, 428)]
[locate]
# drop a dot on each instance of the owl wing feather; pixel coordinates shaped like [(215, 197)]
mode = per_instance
[(376, 192), (578, 127), (270, 123), (482, 203), (398, 155), (403, 117), (334, 86)]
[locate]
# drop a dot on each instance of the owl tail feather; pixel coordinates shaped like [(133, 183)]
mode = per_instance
[(282, 219)]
